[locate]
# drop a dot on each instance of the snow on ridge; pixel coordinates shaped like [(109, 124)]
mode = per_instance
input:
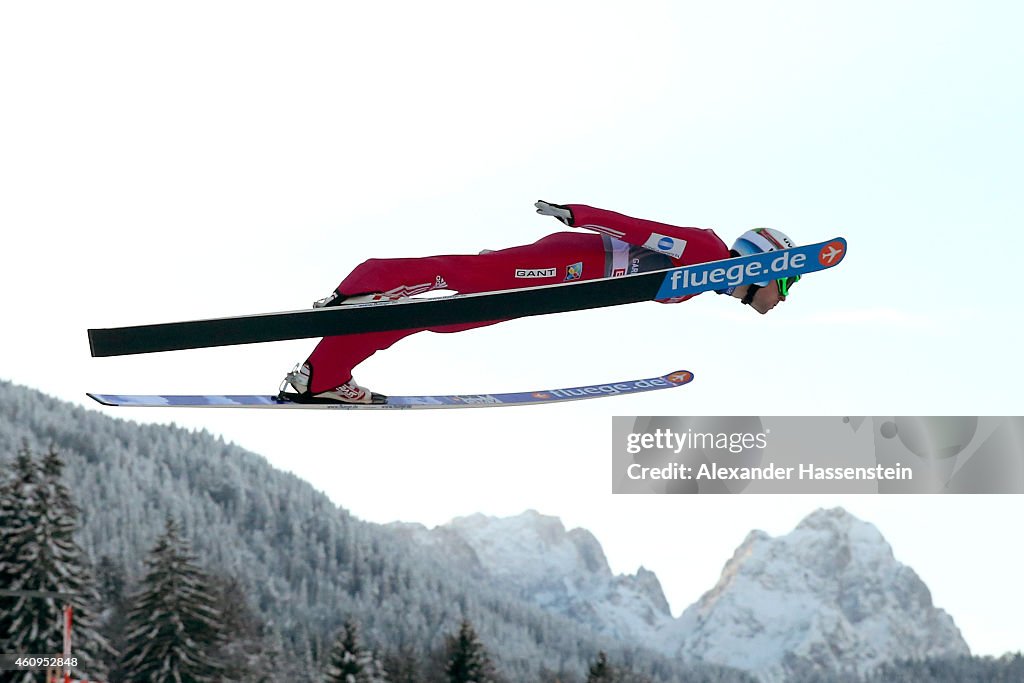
[(828, 595), (530, 544), (565, 571)]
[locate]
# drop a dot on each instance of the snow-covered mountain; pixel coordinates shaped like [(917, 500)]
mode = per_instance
[(566, 572), (828, 596)]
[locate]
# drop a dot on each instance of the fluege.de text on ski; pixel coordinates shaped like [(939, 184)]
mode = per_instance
[(701, 275)]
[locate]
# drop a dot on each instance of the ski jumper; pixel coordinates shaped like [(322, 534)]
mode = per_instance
[(622, 246)]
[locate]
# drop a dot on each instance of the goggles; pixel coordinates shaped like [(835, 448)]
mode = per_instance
[(785, 283)]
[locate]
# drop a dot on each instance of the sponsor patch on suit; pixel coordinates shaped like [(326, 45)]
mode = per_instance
[(535, 272), (663, 244)]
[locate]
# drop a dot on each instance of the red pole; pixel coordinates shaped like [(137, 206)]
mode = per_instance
[(67, 643)]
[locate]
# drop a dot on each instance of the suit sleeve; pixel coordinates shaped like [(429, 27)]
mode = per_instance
[(684, 246)]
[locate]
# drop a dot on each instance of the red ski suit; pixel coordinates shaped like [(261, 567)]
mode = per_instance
[(623, 246)]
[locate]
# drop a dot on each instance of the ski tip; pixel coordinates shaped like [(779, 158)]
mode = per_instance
[(679, 377), (99, 399), (832, 252)]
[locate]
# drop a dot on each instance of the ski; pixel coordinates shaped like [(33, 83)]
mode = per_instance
[(634, 386), (467, 308)]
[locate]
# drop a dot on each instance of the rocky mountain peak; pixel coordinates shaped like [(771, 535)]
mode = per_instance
[(565, 571), (828, 595)]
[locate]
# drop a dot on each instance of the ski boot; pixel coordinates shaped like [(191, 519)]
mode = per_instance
[(337, 299), (349, 392)]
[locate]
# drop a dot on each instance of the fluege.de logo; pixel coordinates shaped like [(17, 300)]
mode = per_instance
[(738, 273), (677, 377), (755, 268)]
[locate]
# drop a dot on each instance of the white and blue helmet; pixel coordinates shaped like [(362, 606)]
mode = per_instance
[(760, 240)]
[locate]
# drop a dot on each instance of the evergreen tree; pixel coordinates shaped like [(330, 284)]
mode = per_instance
[(174, 631), (345, 664), (600, 671), (350, 662), (468, 661), (16, 488), (38, 552)]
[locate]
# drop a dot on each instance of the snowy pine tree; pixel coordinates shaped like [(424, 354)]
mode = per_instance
[(16, 487), (350, 662), (345, 665), (174, 630), (38, 552), (468, 661)]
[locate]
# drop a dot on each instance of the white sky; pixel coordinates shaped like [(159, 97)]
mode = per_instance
[(186, 160)]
